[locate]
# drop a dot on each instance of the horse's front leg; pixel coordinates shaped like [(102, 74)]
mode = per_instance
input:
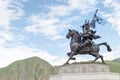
[(108, 47), (68, 54), (70, 57)]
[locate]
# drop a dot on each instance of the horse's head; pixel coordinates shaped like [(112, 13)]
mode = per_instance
[(71, 33)]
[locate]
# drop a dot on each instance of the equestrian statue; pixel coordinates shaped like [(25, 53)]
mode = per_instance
[(82, 43)]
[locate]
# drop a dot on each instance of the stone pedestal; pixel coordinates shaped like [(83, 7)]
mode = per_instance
[(85, 72), (83, 68)]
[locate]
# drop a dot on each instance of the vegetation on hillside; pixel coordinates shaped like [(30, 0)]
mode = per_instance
[(29, 69), (114, 65), (116, 60)]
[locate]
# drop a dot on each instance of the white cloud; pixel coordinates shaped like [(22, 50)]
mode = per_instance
[(11, 54), (46, 26), (114, 13), (43, 24), (64, 45), (56, 37), (5, 36), (50, 24), (10, 10), (84, 6)]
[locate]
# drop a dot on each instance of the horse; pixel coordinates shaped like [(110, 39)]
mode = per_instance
[(88, 49)]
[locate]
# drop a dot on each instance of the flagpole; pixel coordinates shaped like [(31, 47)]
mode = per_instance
[(93, 21), (95, 12)]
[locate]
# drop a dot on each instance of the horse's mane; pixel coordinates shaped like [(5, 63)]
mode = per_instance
[(76, 32)]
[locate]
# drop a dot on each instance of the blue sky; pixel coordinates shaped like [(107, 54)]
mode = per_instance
[(38, 28)]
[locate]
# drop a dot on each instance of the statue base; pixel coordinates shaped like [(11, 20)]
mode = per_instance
[(85, 72)]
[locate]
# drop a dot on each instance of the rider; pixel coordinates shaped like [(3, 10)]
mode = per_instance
[(87, 35)]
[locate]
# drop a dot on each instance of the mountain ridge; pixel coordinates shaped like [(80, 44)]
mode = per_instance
[(116, 60), (33, 68)]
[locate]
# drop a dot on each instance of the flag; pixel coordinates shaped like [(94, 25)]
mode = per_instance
[(100, 20), (93, 23), (97, 19)]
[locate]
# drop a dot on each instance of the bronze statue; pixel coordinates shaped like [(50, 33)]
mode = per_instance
[(82, 43)]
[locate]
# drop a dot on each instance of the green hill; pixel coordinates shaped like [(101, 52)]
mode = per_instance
[(114, 66), (116, 60), (29, 69)]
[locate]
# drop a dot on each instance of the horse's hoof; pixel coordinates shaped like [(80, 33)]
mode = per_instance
[(109, 49), (65, 63), (73, 58)]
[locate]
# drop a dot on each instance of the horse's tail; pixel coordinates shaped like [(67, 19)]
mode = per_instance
[(105, 44)]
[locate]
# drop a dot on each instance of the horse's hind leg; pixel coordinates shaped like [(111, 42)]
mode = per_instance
[(95, 59), (97, 56), (102, 59)]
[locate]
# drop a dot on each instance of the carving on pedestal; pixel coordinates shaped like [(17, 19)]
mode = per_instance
[(85, 72)]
